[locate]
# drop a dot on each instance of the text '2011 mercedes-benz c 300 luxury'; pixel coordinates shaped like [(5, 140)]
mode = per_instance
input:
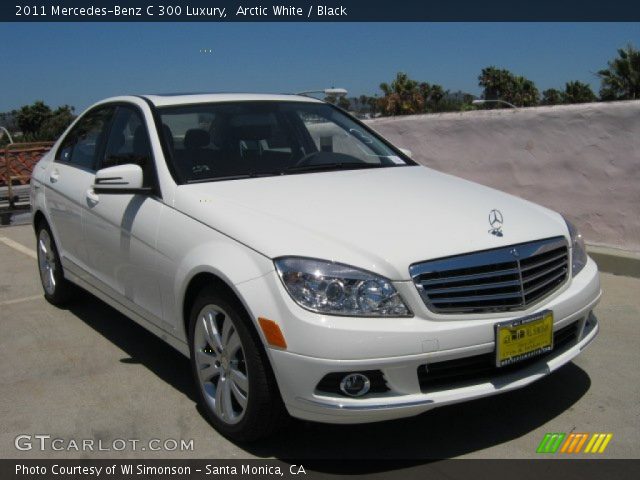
[(305, 265)]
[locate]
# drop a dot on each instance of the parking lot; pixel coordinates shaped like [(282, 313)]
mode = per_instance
[(87, 372)]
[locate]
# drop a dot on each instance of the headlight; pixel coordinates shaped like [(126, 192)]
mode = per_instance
[(578, 250), (337, 289)]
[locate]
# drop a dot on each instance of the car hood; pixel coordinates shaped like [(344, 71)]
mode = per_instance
[(381, 220)]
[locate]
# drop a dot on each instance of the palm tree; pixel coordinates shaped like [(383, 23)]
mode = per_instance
[(437, 93), (578, 92), (402, 96), (504, 85), (497, 83), (621, 81), (551, 96), (524, 92), (432, 95)]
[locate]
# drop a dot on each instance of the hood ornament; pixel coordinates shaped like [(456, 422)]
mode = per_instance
[(496, 221)]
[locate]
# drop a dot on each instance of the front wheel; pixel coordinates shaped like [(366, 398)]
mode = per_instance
[(236, 385), (57, 289)]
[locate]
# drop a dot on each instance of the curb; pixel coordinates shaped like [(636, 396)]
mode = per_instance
[(618, 262)]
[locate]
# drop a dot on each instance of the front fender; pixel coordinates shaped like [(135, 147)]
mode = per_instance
[(193, 248), (232, 262)]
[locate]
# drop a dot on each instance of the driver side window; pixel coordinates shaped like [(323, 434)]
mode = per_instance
[(82, 145), (128, 142)]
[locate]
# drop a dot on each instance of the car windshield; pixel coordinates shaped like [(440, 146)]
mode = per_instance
[(218, 141)]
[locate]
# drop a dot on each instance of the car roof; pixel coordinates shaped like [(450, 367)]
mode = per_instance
[(162, 100)]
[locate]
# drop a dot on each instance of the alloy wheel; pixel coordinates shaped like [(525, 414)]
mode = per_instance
[(220, 362), (47, 262)]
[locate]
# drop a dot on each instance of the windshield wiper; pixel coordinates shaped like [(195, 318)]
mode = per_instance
[(332, 166), (293, 169), (234, 177)]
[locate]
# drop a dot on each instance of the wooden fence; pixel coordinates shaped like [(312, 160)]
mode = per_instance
[(17, 161), (16, 164)]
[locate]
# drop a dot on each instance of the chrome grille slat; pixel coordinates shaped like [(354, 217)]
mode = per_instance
[(544, 262), (464, 278), (503, 279), (476, 298), (477, 286), (545, 283), (530, 278)]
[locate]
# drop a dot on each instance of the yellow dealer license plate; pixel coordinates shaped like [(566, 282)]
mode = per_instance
[(524, 338)]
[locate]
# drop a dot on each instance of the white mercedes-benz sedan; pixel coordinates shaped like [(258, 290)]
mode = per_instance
[(306, 266)]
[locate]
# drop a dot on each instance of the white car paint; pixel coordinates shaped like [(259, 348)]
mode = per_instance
[(440, 216), (139, 254)]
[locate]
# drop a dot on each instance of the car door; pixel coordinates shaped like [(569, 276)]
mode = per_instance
[(120, 229), (68, 178)]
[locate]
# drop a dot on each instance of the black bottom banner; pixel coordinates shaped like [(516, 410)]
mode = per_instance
[(546, 469)]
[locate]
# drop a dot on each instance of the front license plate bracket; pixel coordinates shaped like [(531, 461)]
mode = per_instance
[(523, 338)]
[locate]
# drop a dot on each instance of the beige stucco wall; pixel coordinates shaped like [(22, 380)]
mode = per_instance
[(581, 160)]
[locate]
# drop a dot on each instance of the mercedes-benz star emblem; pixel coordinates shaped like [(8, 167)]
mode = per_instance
[(496, 221)]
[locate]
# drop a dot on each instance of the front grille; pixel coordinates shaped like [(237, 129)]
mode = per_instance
[(499, 280), (457, 372)]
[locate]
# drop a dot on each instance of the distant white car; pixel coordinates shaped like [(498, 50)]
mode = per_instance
[(304, 263)]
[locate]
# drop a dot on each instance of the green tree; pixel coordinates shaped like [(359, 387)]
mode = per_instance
[(39, 122), (432, 96), (524, 92), (578, 92), (58, 122), (551, 96), (497, 83), (402, 96), (621, 80), (31, 118), (503, 85)]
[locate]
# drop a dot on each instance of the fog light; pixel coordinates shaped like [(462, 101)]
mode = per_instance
[(355, 385)]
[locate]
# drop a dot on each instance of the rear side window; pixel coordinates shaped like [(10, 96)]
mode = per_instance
[(82, 145)]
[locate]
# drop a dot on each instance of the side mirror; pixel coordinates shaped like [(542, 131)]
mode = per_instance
[(407, 152), (120, 179)]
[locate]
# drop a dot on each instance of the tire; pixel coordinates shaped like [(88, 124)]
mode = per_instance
[(235, 384), (57, 290)]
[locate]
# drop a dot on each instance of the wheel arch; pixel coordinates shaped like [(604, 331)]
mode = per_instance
[(206, 278), (38, 218), (276, 410)]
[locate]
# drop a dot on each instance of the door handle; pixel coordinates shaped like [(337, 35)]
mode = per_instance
[(92, 197), (54, 176)]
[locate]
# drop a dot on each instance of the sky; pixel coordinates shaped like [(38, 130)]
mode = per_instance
[(81, 63)]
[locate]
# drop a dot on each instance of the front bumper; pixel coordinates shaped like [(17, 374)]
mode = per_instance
[(318, 345)]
